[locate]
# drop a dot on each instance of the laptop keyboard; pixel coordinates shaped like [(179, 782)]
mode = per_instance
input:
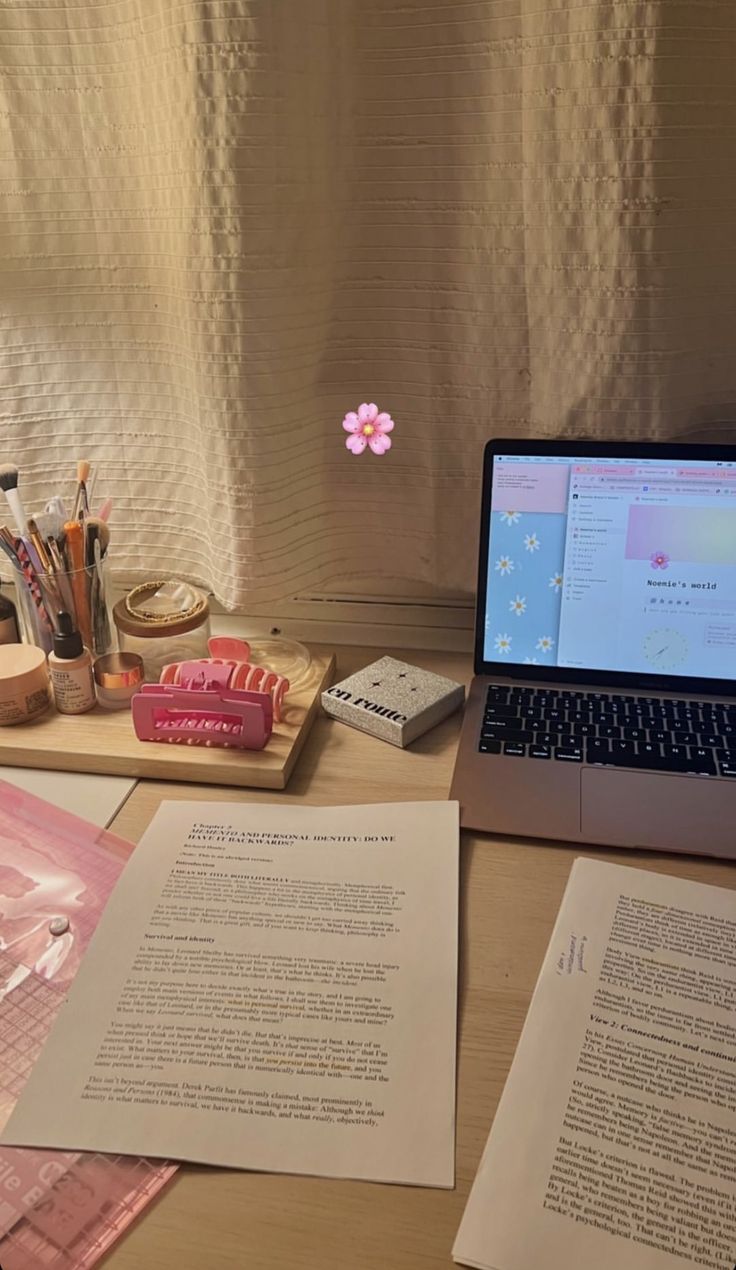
[(649, 733)]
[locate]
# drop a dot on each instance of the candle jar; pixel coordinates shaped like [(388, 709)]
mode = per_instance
[(163, 622)]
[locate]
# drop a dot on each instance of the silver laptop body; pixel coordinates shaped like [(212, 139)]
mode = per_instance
[(603, 707)]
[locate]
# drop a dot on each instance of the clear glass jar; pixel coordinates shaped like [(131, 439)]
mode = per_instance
[(82, 593), (163, 622)]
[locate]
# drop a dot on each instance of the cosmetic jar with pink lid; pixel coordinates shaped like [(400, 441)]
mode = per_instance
[(118, 677), (25, 687)]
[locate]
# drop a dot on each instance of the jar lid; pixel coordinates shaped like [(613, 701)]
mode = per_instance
[(21, 663), (158, 609), (119, 670)]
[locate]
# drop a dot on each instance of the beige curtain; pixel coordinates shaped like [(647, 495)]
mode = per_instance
[(227, 222)]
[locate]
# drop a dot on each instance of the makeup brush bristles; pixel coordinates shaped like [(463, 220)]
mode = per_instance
[(94, 523), (8, 477), (81, 502), (9, 486)]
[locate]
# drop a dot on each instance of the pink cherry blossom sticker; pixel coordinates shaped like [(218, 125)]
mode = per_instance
[(368, 426), (659, 560)]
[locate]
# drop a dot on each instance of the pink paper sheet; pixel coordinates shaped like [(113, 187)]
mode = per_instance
[(57, 1209)]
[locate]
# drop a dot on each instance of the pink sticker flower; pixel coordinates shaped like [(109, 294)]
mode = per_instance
[(659, 560), (368, 427)]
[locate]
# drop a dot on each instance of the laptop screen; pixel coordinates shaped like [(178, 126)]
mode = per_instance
[(612, 564)]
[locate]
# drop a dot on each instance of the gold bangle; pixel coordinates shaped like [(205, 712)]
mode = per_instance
[(145, 615)]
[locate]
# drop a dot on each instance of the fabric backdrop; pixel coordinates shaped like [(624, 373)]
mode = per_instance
[(227, 222)]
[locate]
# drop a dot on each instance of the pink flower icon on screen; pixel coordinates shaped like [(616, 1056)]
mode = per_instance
[(659, 559), (368, 426)]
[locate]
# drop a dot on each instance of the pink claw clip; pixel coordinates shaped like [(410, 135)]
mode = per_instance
[(202, 716), (228, 666)]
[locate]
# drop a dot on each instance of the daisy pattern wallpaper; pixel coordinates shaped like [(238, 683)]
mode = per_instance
[(525, 573)]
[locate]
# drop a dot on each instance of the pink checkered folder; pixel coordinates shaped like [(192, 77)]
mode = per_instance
[(57, 1208)]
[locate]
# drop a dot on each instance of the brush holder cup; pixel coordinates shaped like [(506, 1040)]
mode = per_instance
[(83, 593)]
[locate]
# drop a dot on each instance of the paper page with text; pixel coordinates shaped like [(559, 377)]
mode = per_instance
[(270, 987), (614, 1143)]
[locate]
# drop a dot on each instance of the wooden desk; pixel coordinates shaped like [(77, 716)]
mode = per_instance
[(510, 893)]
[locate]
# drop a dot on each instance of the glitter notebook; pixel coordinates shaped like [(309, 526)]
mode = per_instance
[(58, 1209)]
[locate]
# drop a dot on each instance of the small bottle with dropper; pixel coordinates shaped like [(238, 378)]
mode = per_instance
[(70, 664)]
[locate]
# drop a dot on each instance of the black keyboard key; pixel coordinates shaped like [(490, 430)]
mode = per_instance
[(660, 737), (607, 720), (569, 754), (702, 760), (544, 738), (489, 747), (584, 729), (514, 751), (496, 693), (540, 751), (597, 696), (686, 738), (726, 756), (727, 769), (610, 733), (598, 751), (634, 734), (494, 728), (623, 749), (501, 711), (580, 716), (710, 739), (648, 749), (496, 732), (675, 751)]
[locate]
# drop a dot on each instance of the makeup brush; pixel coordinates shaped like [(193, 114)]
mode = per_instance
[(36, 537), (81, 502), (9, 486), (95, 530), (79, 582), (7, 544), (105, 509)]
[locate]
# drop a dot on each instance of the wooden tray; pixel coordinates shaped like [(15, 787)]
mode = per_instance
[(104, 741)]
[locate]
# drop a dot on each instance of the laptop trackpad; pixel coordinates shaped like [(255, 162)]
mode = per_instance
[(655, 810)]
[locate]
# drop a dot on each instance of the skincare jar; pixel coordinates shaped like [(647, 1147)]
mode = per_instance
[(25, 688)]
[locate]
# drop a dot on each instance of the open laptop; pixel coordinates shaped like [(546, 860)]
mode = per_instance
[(603, 707)]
